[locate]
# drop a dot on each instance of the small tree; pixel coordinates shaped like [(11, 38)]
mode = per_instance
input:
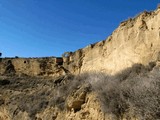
[(0, 54)]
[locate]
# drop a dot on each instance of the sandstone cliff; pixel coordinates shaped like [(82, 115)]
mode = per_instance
[(49, 66), (136, 40), (114, 79)]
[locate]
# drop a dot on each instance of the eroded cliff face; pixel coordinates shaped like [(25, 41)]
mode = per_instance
[(50, 66), (121, 70), (136, 40)]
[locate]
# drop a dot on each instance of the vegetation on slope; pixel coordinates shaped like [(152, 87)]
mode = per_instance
[(132, 93)]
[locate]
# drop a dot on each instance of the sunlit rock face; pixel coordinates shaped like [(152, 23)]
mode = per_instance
[(114, 79), (46, 66), (136, 40)]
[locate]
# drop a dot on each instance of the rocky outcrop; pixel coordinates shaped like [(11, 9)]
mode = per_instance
[(136, 40), (120, 79), (50, 66)]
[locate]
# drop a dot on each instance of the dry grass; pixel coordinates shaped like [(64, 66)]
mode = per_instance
[(135, 92), (4, 115), (132, 93)]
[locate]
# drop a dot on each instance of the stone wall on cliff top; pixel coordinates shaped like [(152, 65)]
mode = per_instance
[(136, 40)]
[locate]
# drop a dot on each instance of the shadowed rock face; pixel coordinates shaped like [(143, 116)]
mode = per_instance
[(125, 83), (9, 68)]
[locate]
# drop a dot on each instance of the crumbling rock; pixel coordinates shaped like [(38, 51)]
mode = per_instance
[(136, 40), (135, 43)]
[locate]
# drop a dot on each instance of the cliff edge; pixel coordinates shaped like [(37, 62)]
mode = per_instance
[(114, 79), (136, 40)]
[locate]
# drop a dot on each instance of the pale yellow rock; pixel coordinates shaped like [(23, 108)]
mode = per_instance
[(134, 41)]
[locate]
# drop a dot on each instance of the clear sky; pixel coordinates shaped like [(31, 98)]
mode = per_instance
[(36, 28)]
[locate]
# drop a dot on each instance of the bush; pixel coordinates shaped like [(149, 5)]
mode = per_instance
[(133, 92)]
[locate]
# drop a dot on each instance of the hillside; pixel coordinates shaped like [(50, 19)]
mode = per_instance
[(114, 79), (136, 40)]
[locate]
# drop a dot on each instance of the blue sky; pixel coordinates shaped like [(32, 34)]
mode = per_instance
[(40, 28)]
